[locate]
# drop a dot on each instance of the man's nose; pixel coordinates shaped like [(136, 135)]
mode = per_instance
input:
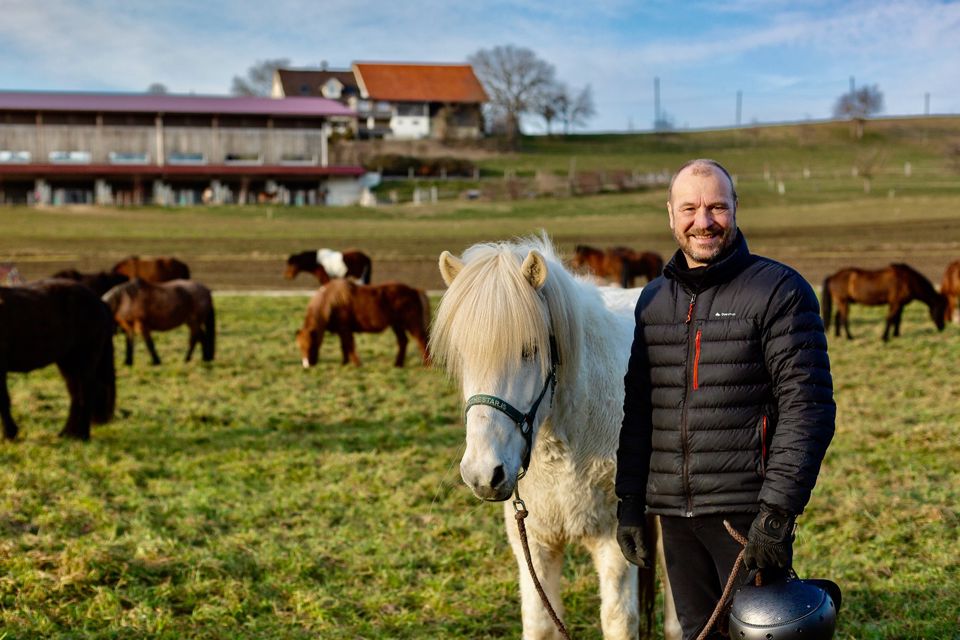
[(703, 218)]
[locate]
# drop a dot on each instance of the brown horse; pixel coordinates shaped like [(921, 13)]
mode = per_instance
[(950, 288), (141, 307), (62, 322), (618, 264), (343, 307), (894, 286), (326, 264), (161, 269), (99, 282)]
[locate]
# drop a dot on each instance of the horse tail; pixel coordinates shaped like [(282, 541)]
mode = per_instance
[(826, 302), (367, 272), (208, 340), (647, 581), (104, 398)]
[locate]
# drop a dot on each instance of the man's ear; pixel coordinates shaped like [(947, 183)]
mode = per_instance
[(670, 213)]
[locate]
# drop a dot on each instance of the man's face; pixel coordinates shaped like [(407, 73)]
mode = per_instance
[(702, 214)]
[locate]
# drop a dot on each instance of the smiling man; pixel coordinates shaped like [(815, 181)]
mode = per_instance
[(729, 405)]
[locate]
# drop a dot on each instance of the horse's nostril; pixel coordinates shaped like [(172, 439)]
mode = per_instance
[(498, 476)]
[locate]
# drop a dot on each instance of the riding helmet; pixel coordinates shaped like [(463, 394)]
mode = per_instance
[(785, 610)]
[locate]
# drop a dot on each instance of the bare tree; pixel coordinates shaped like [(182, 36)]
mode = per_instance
[(259, 78), (859, 104), (551, 102), (157, 88), (581, 109), (514, 78)]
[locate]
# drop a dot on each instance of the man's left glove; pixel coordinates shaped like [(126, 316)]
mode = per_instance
[(770, 541), (631, 532)]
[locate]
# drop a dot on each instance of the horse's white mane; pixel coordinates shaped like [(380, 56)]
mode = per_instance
[(490, 314), (332, 262)]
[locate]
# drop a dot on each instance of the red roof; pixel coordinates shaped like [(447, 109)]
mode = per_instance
[(166, 103), (419, 82)]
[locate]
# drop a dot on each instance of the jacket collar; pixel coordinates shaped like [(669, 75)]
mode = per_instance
[(733, 262)]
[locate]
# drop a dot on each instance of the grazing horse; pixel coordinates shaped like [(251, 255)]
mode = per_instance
[(895, 286), (326, 264), (141, 307), (344, 307), (99, 282), (521, 333), (617, 264), (62, 322), (162, 269), (950, 288)]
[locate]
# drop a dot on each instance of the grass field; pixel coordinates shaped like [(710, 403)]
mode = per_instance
[(249, 498)]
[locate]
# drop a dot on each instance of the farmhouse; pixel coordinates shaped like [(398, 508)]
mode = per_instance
[(397, 100), (61, 148)]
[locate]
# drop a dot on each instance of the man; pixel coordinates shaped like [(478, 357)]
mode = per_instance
[(729, 401)]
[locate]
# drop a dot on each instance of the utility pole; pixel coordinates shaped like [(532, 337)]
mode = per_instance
[(739, 105), (656, 103), (926, 103)]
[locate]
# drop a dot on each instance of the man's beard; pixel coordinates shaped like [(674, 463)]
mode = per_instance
[(708, 255)]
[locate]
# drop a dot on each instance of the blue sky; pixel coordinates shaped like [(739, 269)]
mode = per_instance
[(790, 59)]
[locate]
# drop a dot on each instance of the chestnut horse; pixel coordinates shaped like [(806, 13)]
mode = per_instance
[(62, 322), (99, 282), (950, 288), (161, 269), (618, 264), (141, 307), (343, 307), (894, 286), (326, 264)]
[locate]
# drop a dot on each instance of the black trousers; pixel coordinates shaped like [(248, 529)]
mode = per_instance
[(700, 555)]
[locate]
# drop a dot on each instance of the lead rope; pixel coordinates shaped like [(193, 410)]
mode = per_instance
[(722, 604), (521, 513)]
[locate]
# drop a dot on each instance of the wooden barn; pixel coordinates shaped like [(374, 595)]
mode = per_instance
[(98, 148)]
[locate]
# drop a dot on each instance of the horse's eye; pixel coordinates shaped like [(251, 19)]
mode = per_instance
[(529, 352)]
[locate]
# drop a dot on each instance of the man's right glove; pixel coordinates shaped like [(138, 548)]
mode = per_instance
[(770, 541), (631, 531)]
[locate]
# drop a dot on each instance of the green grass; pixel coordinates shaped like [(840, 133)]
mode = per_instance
[(249, 498)]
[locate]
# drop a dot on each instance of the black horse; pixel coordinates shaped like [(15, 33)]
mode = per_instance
[(100, 282), (63, 322)]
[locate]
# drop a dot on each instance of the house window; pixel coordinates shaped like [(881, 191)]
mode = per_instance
[(296, 159), (332, 89), (410, 109), (15, 157), (128, 157), (304, 89), (70, 157), (243, 158), (186, 157)]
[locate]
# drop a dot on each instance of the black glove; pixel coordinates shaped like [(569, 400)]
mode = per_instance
[(770, 541), (631, 532)]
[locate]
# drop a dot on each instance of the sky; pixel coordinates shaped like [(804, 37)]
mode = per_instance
[(790, 60)]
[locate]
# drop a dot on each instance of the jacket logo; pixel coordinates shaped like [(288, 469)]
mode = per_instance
[(725, 314)]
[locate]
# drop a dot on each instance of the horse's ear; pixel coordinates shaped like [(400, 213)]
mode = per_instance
[(534, 269), (450, 266)]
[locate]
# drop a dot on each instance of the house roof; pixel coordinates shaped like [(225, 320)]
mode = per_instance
[(401, 82), (294, 80), (167, 103)]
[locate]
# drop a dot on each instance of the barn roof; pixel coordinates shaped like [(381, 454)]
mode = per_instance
[(402, 82), (167, 103)]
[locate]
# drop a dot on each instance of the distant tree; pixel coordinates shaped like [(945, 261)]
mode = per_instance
[(515, 79), (559, 102), (857, 105), (580, 109), (157, 88), (551, 102), (259, 78)]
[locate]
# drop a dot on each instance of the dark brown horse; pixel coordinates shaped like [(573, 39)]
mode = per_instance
[(142, 307), (62, 322), (161, 269), (99, 282), (894, 286), (618, 264), (326, 264), (950, 288), (343, 307)]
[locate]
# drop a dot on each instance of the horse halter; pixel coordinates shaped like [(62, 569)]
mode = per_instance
[(523, 421)]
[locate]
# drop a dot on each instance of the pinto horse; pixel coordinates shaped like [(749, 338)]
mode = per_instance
[(326, 264), (895, 286), (62, 322), (518, 332), (950, 288), (142, 307), (161, 269), (99, 282), (343, 307), (617, 264)]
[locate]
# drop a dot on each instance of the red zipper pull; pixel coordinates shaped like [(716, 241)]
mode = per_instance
[(693, 299)]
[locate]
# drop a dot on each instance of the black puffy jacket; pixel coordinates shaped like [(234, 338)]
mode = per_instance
[(729, 398)]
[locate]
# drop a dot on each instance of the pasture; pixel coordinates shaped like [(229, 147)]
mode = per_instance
[(249, 498)]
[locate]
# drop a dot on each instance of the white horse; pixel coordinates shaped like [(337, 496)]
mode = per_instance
[(512, 315)]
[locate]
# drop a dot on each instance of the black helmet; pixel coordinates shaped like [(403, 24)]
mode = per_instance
[(786, 610)]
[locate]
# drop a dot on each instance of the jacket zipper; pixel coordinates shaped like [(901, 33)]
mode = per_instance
[(763, 448), (684, 434), (696, 362)]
